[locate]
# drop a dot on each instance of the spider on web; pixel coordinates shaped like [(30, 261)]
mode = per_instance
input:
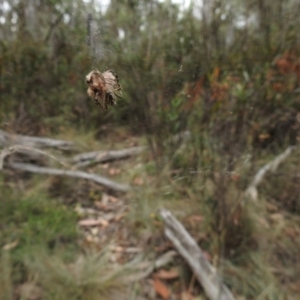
[(104, 88)]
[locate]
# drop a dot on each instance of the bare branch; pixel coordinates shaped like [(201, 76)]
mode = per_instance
[(91, 158), (272, 166), (150, 267), (191, 252), (29, 152), (7, 139), (77, 174)]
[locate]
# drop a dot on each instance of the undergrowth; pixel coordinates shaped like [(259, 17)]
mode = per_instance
[(40, 254)]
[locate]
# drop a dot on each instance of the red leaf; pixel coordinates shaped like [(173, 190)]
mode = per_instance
[(161, 289)]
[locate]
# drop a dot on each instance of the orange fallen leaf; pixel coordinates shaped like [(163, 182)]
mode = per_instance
[(167, 274), (161, 289)]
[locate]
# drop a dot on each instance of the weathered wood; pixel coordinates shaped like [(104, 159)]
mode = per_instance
[(7, 139), (23, 153), (271, 166), (148, 267), (90, 158), (191, 252), (77, 174)]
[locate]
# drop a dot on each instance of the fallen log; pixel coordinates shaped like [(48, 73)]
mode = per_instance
[(91, 158), (77, 174), (206, 274), (7, 139)]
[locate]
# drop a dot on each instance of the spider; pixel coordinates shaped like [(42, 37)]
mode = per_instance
[(104, 88)]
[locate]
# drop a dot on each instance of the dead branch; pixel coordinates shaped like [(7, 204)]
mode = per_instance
[(7, 139), (272, 166), (3, 154), (191, 252), (149, 267), (29, 153), (77, 174), (162, 261), (91, 158)]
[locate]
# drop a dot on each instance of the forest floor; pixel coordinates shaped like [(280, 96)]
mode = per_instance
[(69, 238)]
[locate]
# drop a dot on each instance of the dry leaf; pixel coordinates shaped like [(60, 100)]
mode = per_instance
[(118, 249), (112, 199), (101, 206), (138, 181), (235, 177), (94, 230), (119, 216), (263, 136), (93, 222), (185, 295), (29, 291), (105, 198), (167, 274), (207, 256), (114, 171), (276, 217), (161, 289), (271, 207), (196, 218), (291, 232), (10, 245)]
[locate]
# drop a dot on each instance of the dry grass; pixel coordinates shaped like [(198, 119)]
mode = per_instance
[(91, 276)]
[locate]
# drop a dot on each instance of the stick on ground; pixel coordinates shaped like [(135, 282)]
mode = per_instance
[(7, 139), (271, 166), (77, 174), (206, 274), (90, 158)]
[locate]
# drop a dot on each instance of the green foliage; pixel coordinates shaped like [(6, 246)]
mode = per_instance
[(230, 78), (35, 222), (6, 286)]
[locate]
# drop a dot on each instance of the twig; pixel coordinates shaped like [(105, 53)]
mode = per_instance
[(272, 166), (90, 158), (162, 261), (3, 154), (7, 139), (205, 273), (53, 25), (29, 151), (77, 174)]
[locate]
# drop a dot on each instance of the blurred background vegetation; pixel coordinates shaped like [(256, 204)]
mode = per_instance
[(227, 72)]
